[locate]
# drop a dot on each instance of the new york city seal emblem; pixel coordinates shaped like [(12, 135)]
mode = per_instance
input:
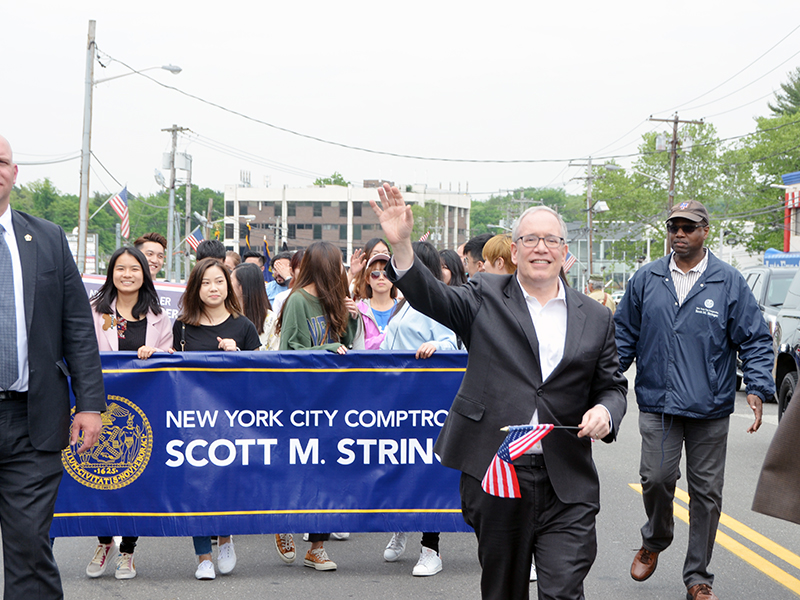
[(122, 452)]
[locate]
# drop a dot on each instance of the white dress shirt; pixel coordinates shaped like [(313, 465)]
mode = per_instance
[(550, 323), (21, 384)]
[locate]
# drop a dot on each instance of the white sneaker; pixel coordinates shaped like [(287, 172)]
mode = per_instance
[(226, 558), (99, 562), (344, 535), (429, 563), (533, 572), (125, 567), (205, 570), (284, 544), (395, 547), (305, 537)]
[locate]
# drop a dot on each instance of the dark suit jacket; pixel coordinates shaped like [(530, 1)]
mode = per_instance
[(61, 339), (503, 383)]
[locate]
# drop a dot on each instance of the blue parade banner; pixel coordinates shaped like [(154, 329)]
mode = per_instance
[(266, 442)]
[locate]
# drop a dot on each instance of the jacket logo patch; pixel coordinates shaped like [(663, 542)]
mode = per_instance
[(709, 303), (706, 311)]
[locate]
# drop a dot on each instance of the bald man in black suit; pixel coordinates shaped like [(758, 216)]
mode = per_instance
[(54, 340)]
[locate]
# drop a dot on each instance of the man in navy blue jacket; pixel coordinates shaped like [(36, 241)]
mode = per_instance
[(683, 318)]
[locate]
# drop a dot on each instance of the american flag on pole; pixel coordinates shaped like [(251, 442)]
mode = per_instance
[(501, 478), (120, 205), (569, 261), (195, 238)]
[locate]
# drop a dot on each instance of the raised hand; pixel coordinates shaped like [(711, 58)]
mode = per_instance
[(395, 215)]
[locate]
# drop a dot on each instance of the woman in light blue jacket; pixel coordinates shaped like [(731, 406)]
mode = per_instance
[(409, 329)]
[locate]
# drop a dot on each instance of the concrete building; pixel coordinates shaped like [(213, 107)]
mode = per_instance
[(337, 214)]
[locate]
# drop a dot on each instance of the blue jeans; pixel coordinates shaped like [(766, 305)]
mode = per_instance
[(202, 544)]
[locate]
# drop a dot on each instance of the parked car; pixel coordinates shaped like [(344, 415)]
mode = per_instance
[(785, 330)]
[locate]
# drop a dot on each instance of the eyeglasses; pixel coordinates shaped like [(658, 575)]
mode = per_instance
[(531, 241), (377, 274), (687, 229)]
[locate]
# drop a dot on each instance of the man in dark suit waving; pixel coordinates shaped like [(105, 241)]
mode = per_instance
[(539, 352), (46, 335)]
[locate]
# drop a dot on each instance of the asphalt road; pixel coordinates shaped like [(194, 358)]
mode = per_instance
[(744, 569)]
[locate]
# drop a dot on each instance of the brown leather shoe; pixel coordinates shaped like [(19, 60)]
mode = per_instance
[(644, 564), (700, 591)]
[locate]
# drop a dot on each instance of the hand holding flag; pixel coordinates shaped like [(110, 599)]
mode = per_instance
[(501, 478)]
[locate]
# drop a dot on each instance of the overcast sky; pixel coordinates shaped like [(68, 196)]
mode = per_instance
[(489, 81)]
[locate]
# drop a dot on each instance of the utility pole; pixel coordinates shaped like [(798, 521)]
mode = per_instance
[(673, 153), (188, 223), (589, 206), (171, 212), (86, 149)]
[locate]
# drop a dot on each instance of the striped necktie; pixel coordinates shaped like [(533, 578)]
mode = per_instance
[(9, 365)]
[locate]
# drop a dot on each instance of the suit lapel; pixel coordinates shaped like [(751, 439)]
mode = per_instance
[(516, 305), (576, 321), (26, 243)]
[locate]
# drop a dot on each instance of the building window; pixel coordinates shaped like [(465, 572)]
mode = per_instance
[(342, 232), (278, 207), (229, 231), (229, 208), (356, 232), (356, 209), (292, 234), (317, 232), (291, 209), (343, 210), (317, 209)]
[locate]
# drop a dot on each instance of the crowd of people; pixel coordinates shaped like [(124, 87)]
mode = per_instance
[(539, 351)]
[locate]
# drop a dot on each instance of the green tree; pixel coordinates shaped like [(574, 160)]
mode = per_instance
[(335, 179), (503, 209), (427, 218), (788, 102)]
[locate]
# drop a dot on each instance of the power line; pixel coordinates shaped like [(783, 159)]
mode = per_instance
[(27, 163), (734, 75)]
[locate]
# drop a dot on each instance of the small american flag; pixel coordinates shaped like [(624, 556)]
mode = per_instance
[(424, 237), (501, 478), (569, 261), (120, 205), (195, 238)]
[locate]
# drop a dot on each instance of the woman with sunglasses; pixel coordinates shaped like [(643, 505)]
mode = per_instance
[(127, 316), (355, 276), (211, 319), (380, 299)]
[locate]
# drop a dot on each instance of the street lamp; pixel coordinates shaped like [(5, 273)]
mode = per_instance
[(86, 147)]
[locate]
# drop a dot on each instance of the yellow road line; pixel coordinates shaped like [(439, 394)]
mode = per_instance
[(750, 534), (740, 550)]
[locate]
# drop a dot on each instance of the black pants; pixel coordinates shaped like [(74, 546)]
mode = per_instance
[(28, 488), (127, 546), (560, 536)]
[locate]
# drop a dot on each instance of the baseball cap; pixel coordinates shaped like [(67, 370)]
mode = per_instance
[(691, 210), (379, 257)]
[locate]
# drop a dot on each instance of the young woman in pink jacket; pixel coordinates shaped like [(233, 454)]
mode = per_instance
[(127, 316)]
